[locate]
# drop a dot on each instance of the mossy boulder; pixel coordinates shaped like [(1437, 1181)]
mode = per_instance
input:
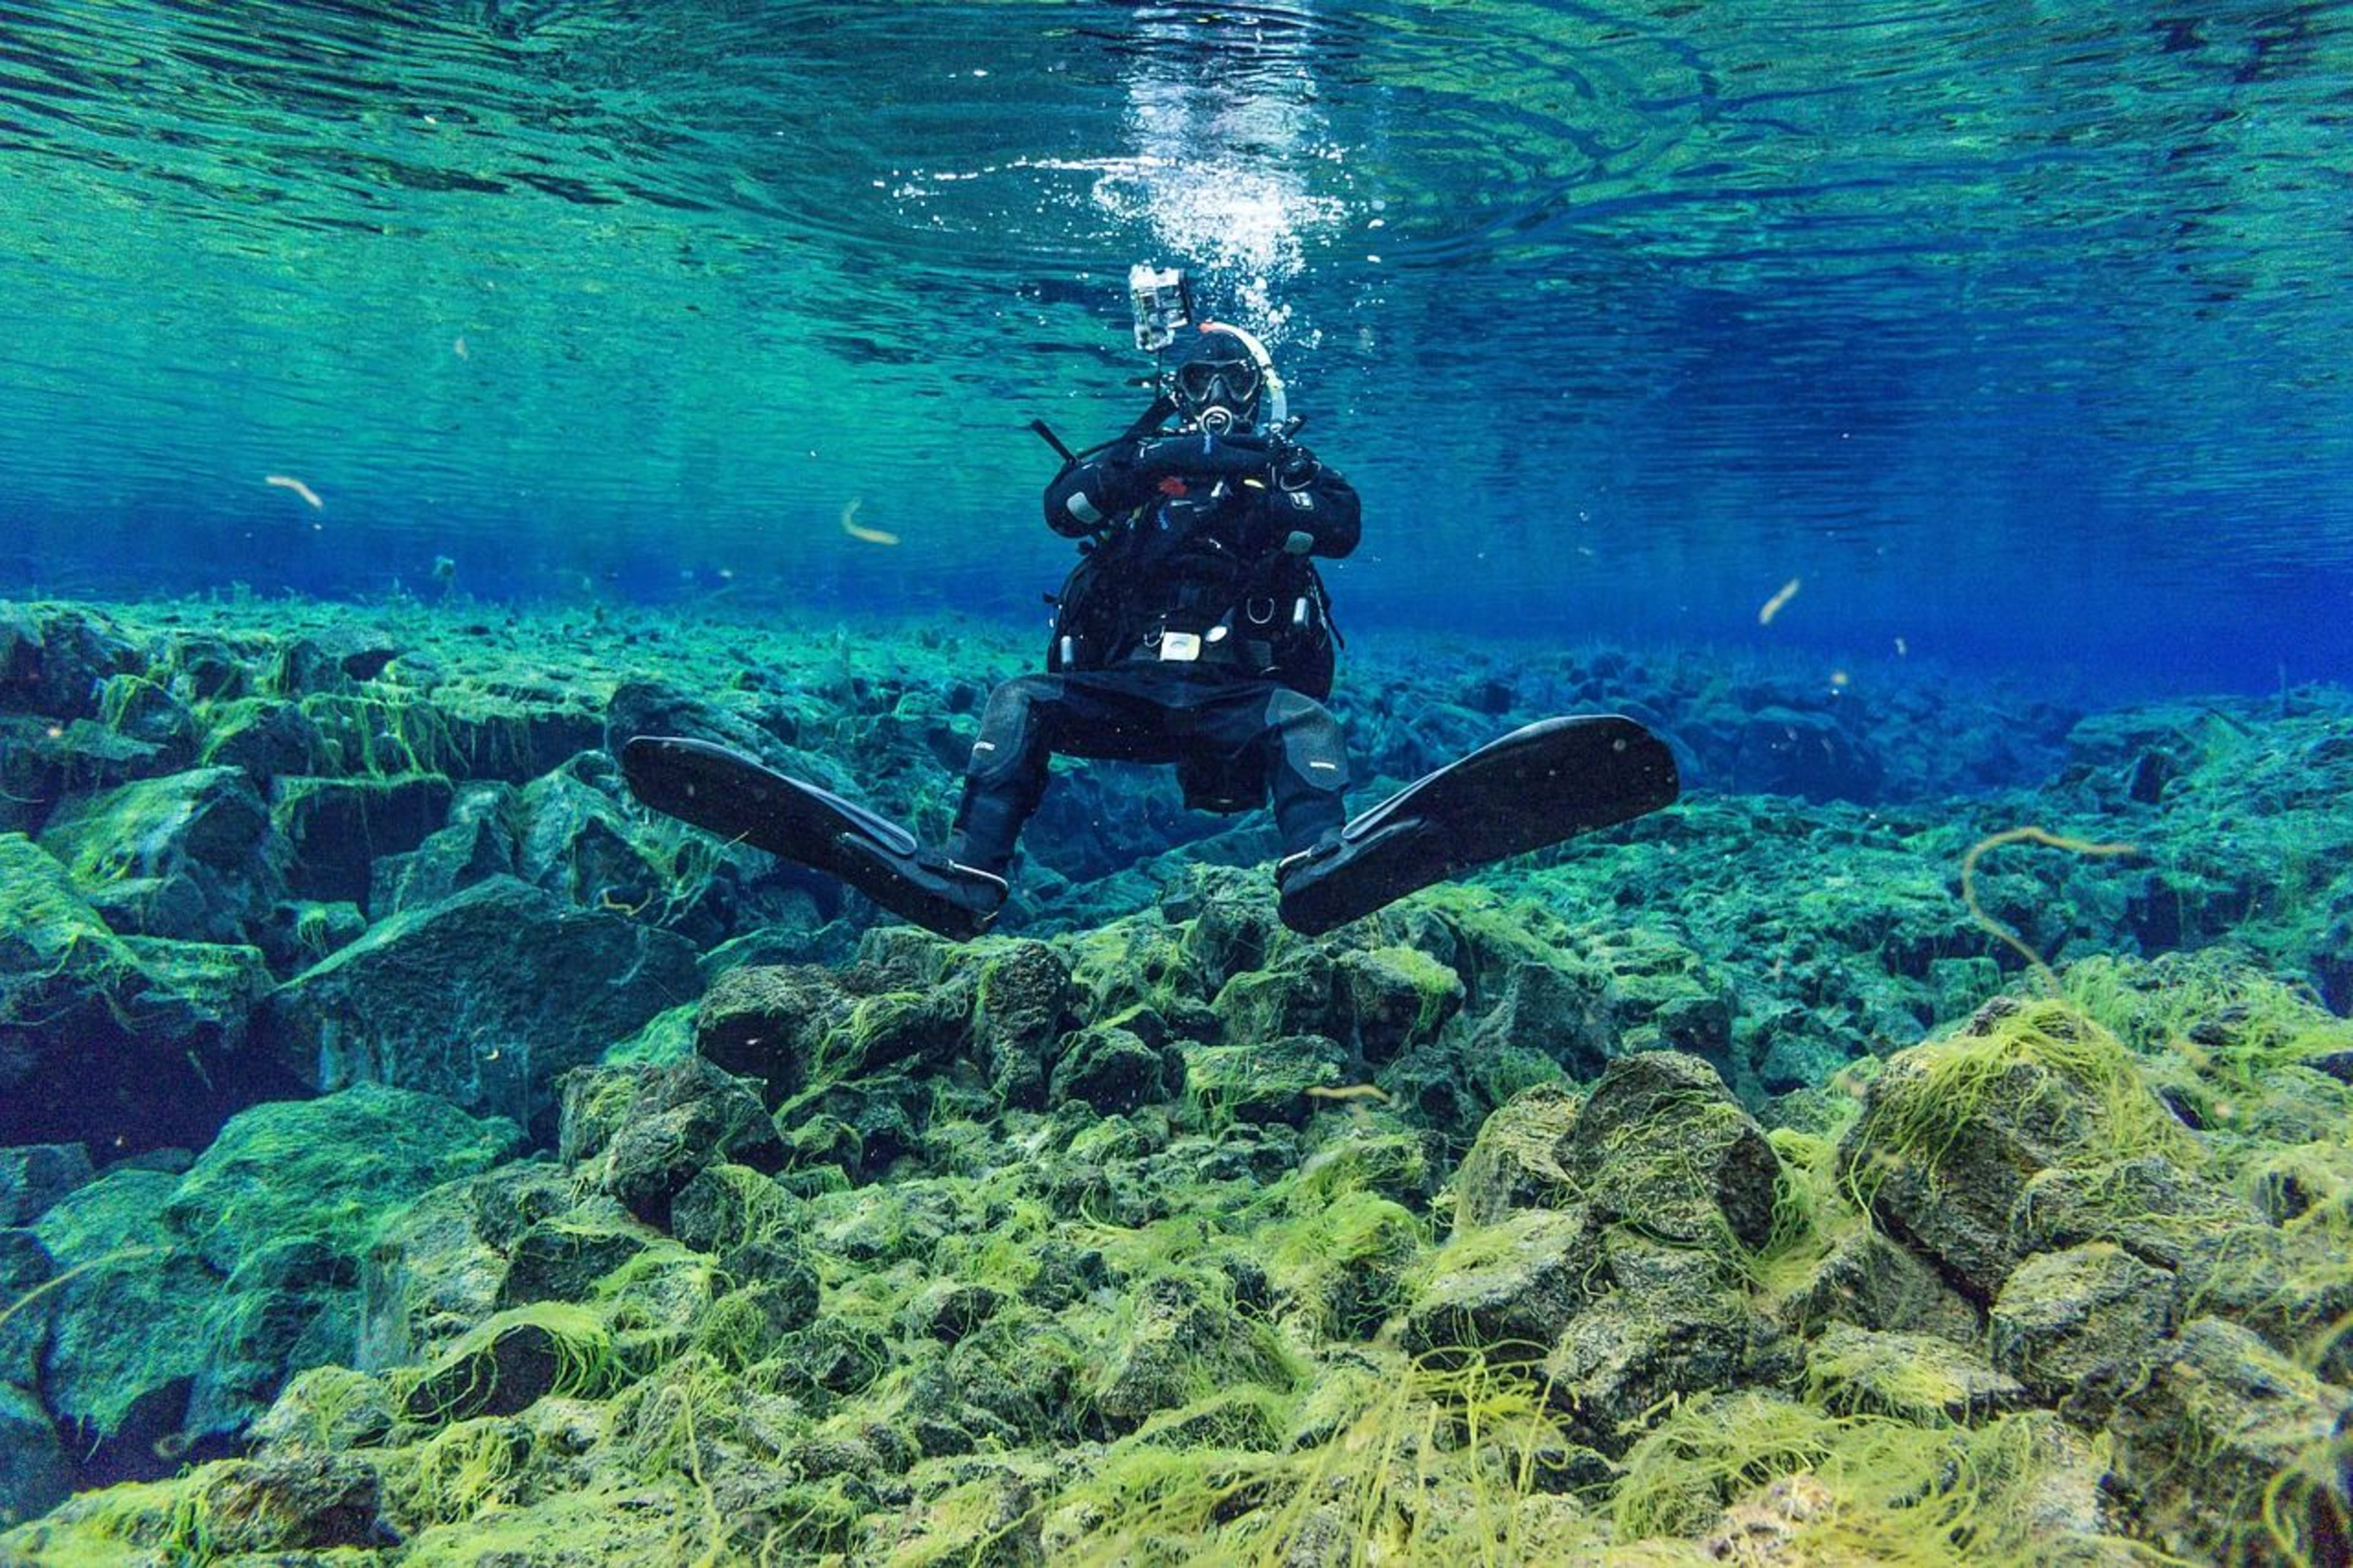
[(1020, 1010), (1507, 1291), (1299, 996), (339, 827), (765, 1022), (440, 1261), (56, 659), (475, 842), (485, 999), (1872, 1282), (1395, 997), (642, 1134), (131, 1331), (1515, 1161), (1953, 1132), (191, 855), (1557, 1011), (265, 740), (236, 1510), (1666, 1321), (2220, 1418), (2079, 1326), (511, 1361), (1110, 1069), (117, 1042), (199, 1295), (1264, 1080), (1176, 1337), (35, 1176), (35, 1473), (567, 1256), (1661, 1142), (579, 842), (1921, 1378)]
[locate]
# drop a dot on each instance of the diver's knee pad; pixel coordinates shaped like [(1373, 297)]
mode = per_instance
[(1314, 750), (1009, 728)]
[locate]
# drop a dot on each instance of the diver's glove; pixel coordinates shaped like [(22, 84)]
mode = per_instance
[(1197, 454), (1294, 467)]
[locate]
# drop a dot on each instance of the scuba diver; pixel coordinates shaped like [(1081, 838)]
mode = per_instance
[(1195, 630)]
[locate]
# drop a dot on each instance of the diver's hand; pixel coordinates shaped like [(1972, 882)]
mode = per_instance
[(1294, 467), (1200, 455)]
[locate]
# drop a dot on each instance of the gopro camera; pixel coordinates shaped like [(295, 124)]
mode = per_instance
[(1163, 303)]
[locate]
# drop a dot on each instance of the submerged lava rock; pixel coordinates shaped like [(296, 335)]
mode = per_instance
[(191, 855), (116, 1042), (484, 999)]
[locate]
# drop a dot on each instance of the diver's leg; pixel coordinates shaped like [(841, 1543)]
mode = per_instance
[(1309, 771), (1006, 778), (1305, 756)]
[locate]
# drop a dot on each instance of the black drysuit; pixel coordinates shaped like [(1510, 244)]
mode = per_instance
[(1186, 678)]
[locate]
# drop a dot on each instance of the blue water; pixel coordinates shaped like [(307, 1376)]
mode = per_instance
[(2013, 334)]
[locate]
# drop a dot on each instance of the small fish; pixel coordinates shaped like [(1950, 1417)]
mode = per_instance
[(1351, 1092), (287, 482), (851, 526), (1773, 606)]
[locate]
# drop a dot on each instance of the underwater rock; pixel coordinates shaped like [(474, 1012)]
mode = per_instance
[(511, 1362), (128, 1331), (34, 1474), (323, 1410), (1675, 1321), (1919, 1377), (655, 707), (1661, 1142), (122, 1042), (642, 1134), (147, 714), (485, 999), (1185, 1334), (190, 855), (1954, 1132), (1781, 751), (26, 1269), (338, 826), (2218, 1418), (200, 1294), (577, 841), (1506, 1292), (301, 933), (562, 1258), (440, 1261), (1559, 1012), (266, 740), (33, 1177), (1109, 1069), (726, 1206), (763, 1022), (1298, 996), (1875, 1283), (1265, 1081), (2079, 1326), (1020, 1008), (233, 1509), (2149, 1205), (1515, 1161), (54, 660), (1394, 997), (475, 843)]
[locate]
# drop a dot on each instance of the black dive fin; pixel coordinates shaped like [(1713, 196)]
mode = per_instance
[(733, 796), (1540, 784)]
